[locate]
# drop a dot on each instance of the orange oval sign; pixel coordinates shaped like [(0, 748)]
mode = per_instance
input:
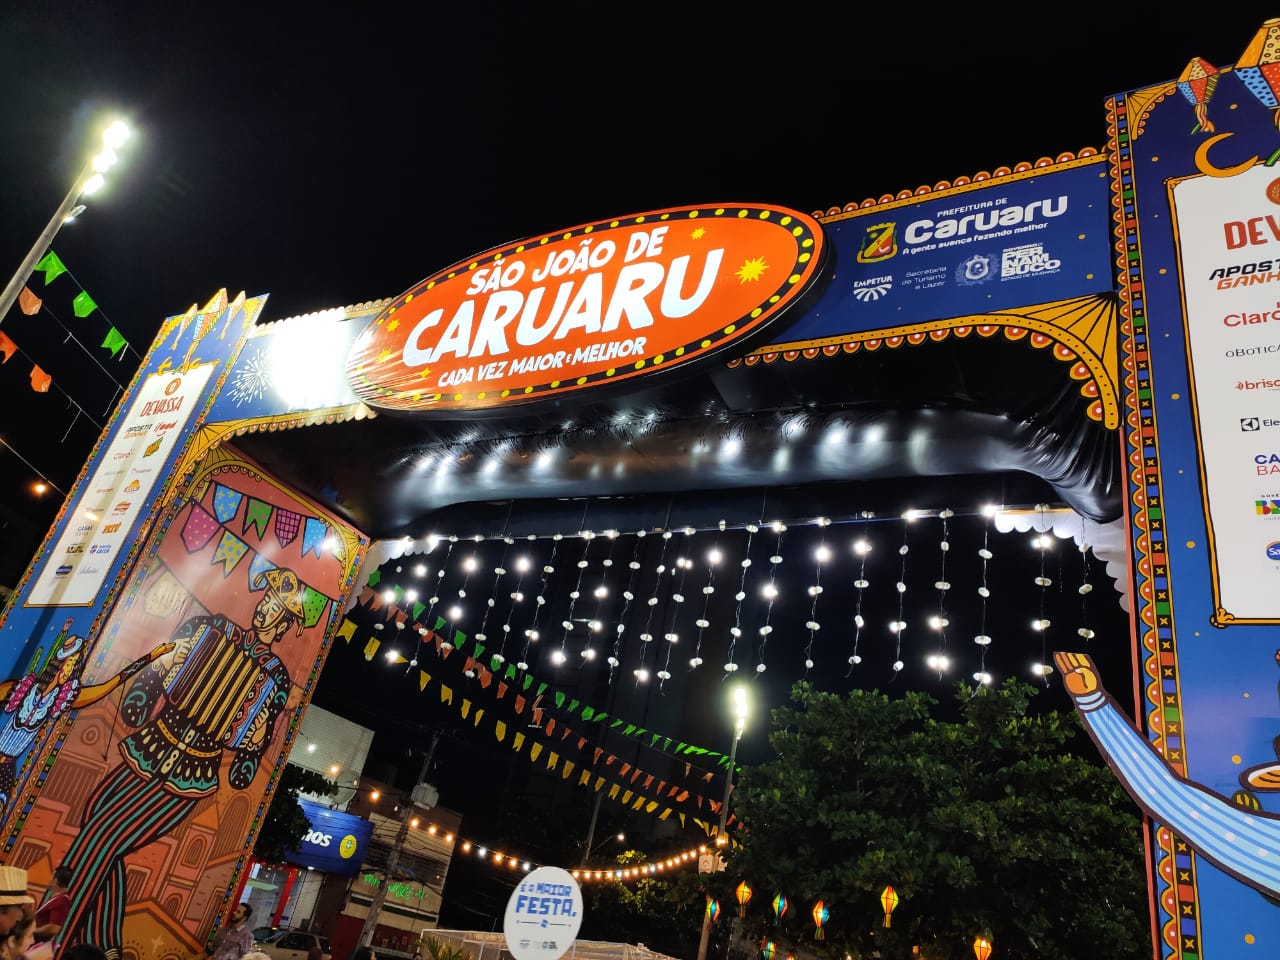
[(586, 307)]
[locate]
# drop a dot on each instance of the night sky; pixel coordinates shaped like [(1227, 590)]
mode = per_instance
[(332, 157)]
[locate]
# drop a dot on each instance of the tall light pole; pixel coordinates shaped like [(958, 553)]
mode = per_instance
[(89, 182), (741, 708)]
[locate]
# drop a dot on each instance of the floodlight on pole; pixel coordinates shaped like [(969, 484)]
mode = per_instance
[(89, 182), (741, 710)]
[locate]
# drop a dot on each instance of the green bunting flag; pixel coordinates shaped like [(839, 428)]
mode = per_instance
[(83, 304), (53, 267), (115, 342)]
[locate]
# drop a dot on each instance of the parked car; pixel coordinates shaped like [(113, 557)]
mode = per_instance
[(279, 943)]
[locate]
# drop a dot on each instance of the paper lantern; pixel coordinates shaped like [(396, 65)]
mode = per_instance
[(820, 915), (768, 949), (888, 900), (713, 910), (981, 948), (779, 908), (1197, 82), (743, 893)]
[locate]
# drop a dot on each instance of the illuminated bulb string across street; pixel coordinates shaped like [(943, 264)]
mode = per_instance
[(860, 597)]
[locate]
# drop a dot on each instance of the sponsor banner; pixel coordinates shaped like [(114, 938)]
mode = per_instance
[(335, 843), (1006, 243), (1229, 255), (587, 308), (119, 487)]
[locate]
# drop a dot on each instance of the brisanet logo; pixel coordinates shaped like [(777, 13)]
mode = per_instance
[(1264, 383)]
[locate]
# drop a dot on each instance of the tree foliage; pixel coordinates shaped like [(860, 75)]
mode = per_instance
[(664, 912), (285, 824), (988, 825)]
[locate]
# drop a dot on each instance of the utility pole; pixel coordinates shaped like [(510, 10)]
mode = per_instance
[(393, 859), (740, 725)]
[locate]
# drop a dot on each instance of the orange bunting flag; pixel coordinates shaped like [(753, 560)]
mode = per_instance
[(40, 381), (7, 347), (28, 302)]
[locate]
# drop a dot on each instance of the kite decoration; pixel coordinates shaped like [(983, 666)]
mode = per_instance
[(1198, 80)]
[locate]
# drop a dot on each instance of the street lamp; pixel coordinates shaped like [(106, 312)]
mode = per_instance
[(616, 838), (741, 708), (90, 181)]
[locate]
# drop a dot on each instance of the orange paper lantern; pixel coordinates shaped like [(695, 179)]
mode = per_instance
[(743, 893), (981, 948)]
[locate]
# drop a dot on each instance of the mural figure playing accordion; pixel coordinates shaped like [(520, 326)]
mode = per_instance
[(222, 689)]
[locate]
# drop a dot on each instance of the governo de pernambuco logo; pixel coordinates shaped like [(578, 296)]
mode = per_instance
[(586, 307)]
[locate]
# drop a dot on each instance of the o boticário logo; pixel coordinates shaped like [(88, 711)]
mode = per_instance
[(586, 307)]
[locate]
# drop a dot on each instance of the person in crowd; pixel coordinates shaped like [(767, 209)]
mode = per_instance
[(20, 936), (235, 939), (315, 953), (53, 911), (364, 953), (14, 899)]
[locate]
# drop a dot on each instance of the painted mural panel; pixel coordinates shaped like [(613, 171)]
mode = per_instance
[(158, 785)]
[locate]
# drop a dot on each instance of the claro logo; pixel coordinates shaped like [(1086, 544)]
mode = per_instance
[(584, 308)]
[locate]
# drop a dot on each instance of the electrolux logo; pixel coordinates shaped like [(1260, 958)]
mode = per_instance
[(1254, 424)]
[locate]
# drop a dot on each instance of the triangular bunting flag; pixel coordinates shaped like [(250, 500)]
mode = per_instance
[(559, 697), (258, 566), (626, 796), (40, 381), (587, 713), (466, 708), (347, 630), (229, 552), (53, 267), (573, 706), (666, 813), (552, 760), (371, 648), (199, 528), (423, 679), (83, 304), (7, 347), (534, 751), (476, 720), (518, 742), (313, 535), (314, 604), (500, 731), (29, 303), (374, 578), (287, 524), (598, 784), (418, 607), (256, 515), (446, 694), (114, 341), (584, 777), (567, 768), (226, 502)]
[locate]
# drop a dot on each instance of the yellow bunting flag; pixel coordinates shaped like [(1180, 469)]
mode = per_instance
[(476, 719), (500, 731), (347, 630), (681, 816), (466, 708), (371, 648), (638, 804), (567, 769), (613, 791), (446, 694), (651, 806), (598, 784), (423, 679), (534, 751), (552, 760), (665, 813), (626, 797), (518, 742)]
